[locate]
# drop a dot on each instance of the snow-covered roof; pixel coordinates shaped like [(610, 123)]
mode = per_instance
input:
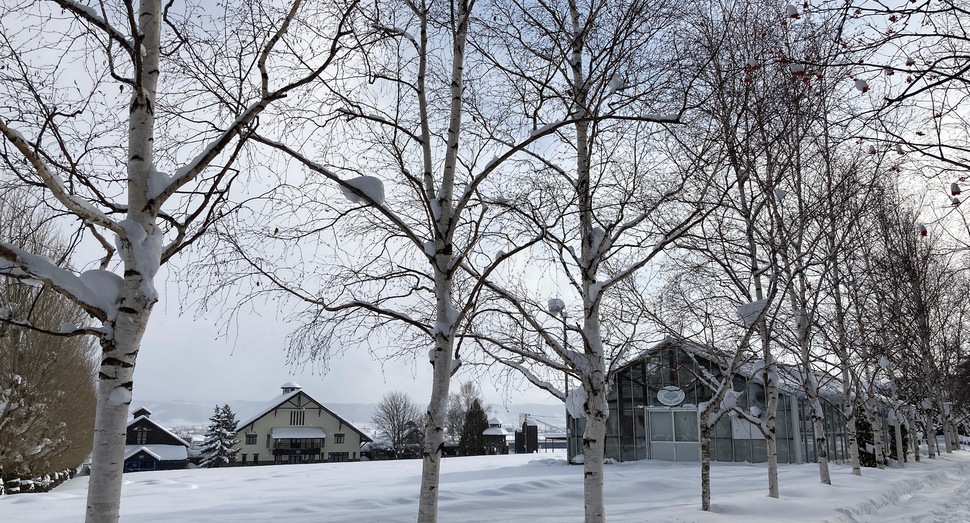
[(291, 385), (283, 398), (159, 452), (269, 406), (554, 435), (789, 377), (495, 421), (298, 432), (529, 420), (161, 428), (495, 431)]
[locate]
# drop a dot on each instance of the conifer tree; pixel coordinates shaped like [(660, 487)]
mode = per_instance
[(220, 438), (472, 438)]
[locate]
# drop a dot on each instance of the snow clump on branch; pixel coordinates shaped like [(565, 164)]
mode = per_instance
[(371, 186)]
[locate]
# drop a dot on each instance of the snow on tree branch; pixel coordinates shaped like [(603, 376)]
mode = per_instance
[(364, 189), (402, 226), (381, 312), (525, 371), (96, 291), (91, 16), (54, 182)]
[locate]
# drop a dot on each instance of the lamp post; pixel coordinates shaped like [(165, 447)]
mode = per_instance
[(557, 307)]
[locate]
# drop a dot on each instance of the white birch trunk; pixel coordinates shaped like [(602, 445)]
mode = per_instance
[(898, 436), (821, 447), (952, 438), (913, 438), (141, 255), (434, 431), (444, 225), (929, 418), (770, 368), (851, 432), (113, 398), (947, 432), (875, 420), (705, 427), (771, 442), (705, 468), (594, 447), (811, 384), (593, 375), (771, 389), (848, 404), (818, 418)]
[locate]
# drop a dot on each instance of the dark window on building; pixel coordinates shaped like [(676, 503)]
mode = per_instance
[(250, 439), (268, 440), (337, 457), (296, 417), (255, 459), (141, 436), (243, 459), (338, 439)]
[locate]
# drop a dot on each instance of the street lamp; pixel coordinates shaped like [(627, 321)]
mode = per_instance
[(557, 307)]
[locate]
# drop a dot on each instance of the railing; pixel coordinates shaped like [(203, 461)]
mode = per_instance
[(303, 451), (296, 444)]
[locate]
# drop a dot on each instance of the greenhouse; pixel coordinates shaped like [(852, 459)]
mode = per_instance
[(654, 413)]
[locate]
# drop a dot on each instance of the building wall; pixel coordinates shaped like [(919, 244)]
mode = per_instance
[(144, 461), (638, 418), (313, 416)]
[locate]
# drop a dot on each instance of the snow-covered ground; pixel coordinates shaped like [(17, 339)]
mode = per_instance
[(536, 488)]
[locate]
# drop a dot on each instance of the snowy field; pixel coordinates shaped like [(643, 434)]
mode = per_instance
[(536, 488)]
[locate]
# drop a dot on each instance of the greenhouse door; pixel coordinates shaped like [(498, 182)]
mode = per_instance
[(672, 434)]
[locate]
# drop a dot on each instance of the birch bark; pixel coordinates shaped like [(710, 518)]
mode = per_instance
[(770, 368), (444, 229), (139, 237), (140, 251)]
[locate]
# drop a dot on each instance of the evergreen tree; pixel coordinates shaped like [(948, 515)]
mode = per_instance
[(220, 438), (472, 440), (458, 405)]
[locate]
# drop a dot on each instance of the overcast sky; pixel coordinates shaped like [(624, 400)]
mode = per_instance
[(183, 358)]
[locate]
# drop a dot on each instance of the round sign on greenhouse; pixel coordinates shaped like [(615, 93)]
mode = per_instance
[(670, 395)]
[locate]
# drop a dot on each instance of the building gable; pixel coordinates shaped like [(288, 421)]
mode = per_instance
[(282, 408), (144, 431)]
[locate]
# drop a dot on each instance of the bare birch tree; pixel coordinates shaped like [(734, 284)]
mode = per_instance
[(700, 314), (381, 213), (923, 319), (601, 192), (130, 116)]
